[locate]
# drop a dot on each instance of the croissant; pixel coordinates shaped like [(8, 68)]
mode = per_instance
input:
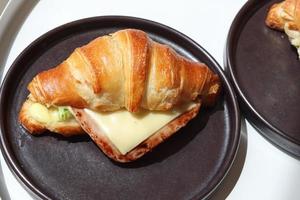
[(125, 70), (284, 13)]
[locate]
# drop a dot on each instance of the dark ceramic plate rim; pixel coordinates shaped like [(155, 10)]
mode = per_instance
[(277, 137), (13, 162)]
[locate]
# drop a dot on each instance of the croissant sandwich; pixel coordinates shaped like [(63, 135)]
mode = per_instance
[(285, 16), (126, 91)]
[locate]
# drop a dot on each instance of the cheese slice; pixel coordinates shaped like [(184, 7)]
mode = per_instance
[(127, 130)]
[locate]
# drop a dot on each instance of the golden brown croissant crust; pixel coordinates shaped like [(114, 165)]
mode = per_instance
[(125, 69), (284, 13)]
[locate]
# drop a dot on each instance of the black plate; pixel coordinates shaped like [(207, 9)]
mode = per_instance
[(188, 166), (265, 71)]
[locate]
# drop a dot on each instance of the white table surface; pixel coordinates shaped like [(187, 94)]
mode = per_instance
[(261, 171)]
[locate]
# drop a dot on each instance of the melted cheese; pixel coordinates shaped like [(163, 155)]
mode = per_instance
[(127, 130), (43, 114), (40, 113), (294, 37)]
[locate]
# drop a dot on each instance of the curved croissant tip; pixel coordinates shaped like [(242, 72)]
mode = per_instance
[(35, 90), (31, 89), (212, 91)]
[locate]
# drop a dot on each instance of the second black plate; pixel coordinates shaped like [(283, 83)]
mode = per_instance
[(265, 70)]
